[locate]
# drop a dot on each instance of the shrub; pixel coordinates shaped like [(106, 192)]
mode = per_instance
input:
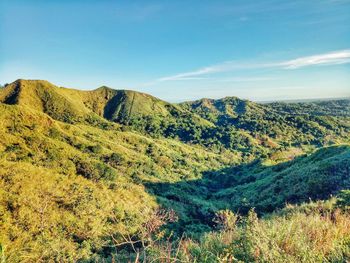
[(54, 133), (96, 149), (343, 200), (115, 159), (95, 170), (225, 220)]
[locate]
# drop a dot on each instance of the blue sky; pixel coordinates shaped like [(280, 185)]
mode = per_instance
[(181, 50)]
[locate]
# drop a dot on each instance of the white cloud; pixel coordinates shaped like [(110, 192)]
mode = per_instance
[(218, 68), (332, 58), (225, 66)]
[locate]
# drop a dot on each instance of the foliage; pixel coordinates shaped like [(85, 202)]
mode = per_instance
[(58, 218), (148, 234), (225, 220), (266, 188), (344, 200)]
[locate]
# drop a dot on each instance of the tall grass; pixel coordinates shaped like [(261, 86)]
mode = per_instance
[(290, 236)]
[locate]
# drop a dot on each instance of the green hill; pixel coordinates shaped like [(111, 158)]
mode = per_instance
[(217, 109), (115, 105), (331, 107), (66, 188), (263, 129), (86, 175), (269, 187), (142, 112), (229, 123), (44, 97)]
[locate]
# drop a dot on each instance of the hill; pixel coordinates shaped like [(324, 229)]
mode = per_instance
[(228, 123), (263, 129), (113, 167), (339, 107), (140, 111), (87, 183)]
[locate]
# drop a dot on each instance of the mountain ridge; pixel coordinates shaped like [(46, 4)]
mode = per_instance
[(103, 87), (106, 102), (223, 123)]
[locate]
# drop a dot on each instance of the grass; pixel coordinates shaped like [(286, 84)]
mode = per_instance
[(292, 236)]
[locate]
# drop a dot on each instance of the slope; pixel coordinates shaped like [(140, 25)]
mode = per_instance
[(258, 185), (142, 112), (268, 187), (87, 183)]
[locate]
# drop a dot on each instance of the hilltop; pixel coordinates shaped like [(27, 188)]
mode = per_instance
[(70, 104)]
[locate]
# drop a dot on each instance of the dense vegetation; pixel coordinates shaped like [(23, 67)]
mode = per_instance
[(112, 175)]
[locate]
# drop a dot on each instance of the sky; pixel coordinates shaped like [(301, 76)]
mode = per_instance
[(181, 50)]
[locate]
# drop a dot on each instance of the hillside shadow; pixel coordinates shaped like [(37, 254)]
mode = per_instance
[(254, 185), (113, 107)]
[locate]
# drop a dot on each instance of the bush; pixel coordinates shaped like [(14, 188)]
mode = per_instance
[(343, 200), (115, 159), (225, 220), (54, 133), (96, 149), (95, 170)]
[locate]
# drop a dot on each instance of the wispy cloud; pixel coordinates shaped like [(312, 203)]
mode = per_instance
[(218, 68), (202, 71), (331, 58)]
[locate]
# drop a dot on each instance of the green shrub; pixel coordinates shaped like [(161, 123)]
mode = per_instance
[(95, 170), (343, 200)]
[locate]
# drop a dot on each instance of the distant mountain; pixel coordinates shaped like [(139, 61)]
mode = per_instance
[(213, 109), (276, 124), (232, 107)]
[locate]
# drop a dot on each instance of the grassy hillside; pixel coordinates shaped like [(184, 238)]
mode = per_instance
[(268, 187), (107, 175), (141, 111), (264, 187), (44, 97), (311, 232), (88, 183)]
